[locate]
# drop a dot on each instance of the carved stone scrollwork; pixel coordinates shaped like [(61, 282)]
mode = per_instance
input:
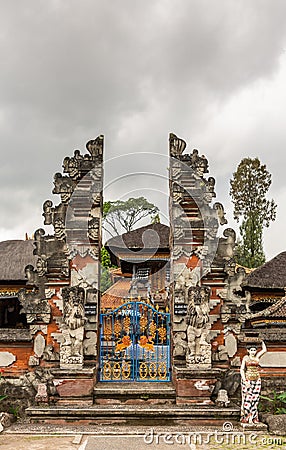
[(178, 193), (47, 246), (199, 163), (41, 266), (72, 327), (63, 186), (93, 229), (178, 232), (209, 190), (225, 313), (60, 229), (32, 276), (177, 146), (227, 244), (35, 306), (211, 225), (39, 242), (72, 165), (55, 216), (218, 207), (48, 212), (95, 147), (176, 170)]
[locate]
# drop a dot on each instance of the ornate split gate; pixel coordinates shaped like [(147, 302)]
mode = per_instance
[(135, 344)]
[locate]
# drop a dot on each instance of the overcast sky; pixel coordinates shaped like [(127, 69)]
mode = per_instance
[(212, 72)]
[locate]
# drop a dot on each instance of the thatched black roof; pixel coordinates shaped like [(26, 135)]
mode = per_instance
[(272, 274), (14, 257), (156, 236)]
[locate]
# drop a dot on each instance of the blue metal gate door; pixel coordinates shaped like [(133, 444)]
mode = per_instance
[(135, 344)]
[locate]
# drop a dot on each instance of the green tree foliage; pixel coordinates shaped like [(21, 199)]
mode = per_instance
[(156, 219), (123, 215), (105, 258), (105, 279), (249, 186)]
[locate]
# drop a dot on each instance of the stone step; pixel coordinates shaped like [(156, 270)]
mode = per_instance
[(135, 415), (130, 392)]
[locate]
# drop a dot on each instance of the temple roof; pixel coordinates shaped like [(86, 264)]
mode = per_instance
[(14, 257), (278, 309), (133, 239), (272, 274), (112, 297)]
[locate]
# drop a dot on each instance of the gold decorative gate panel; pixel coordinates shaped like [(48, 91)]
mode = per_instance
[(135, 344)]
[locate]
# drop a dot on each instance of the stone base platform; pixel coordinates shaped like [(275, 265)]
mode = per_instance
[(129, 393), (148, 415)]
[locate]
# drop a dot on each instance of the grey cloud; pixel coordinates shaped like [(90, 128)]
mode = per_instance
[(132, 70)]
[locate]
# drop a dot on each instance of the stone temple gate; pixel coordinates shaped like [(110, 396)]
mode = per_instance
[(92, 356)]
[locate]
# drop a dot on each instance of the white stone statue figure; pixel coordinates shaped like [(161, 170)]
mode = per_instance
[(73, 328), (199, 350), (251, 384)]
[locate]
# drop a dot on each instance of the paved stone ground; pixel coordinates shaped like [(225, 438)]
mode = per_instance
[(51, 437)]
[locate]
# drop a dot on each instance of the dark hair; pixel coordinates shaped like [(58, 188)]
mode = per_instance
[(249, 346)]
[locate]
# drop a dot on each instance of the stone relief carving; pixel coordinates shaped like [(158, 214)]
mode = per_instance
[(50, 354), (180, 344), (198, 163), (187, 277), (89, 344), (236, 305), (35, 305), (93, 228), (72, 327), (199, 350)]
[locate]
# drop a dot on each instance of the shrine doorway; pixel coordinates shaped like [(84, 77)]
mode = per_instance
[(135, 344)]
